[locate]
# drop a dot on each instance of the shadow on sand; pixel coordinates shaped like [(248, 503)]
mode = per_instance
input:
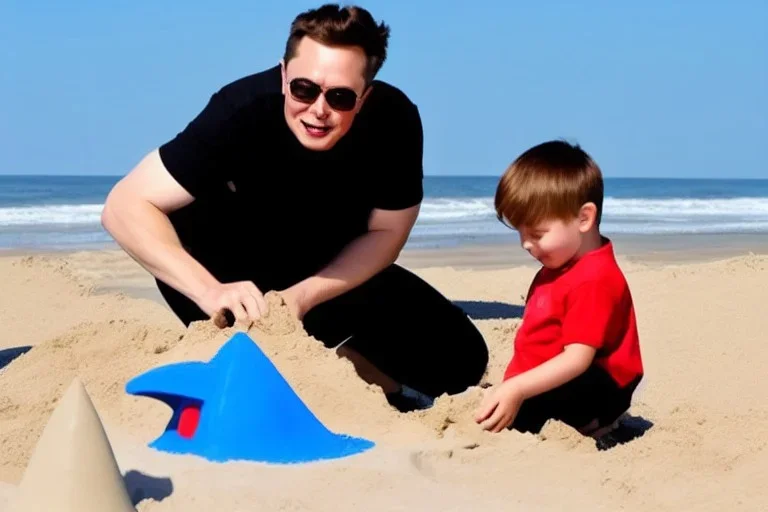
[(630, 428), (9, 354), (141, 486), (487, 310)]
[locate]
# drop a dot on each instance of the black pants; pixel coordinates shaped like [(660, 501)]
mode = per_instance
[(399, 323), (592, 395)]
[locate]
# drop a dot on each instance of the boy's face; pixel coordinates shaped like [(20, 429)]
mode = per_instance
[(556, 242), (553, 243)]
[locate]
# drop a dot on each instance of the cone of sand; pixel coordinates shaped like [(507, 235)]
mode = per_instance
[(73, 467)]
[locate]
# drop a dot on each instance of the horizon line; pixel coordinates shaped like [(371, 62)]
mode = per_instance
[(426, 175)]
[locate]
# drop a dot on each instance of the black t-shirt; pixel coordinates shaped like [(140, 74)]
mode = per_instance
[(267, 208)]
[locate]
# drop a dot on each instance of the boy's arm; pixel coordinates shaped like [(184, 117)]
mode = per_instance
[(572, 362), (500, 407), (587, 323)]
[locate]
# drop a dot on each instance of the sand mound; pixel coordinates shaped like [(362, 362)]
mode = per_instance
[(105, 355), (703, 424)]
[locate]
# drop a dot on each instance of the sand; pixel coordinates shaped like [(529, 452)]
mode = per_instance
[(702, 328)]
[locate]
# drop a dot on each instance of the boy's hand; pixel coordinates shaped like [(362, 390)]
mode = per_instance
[(500, 407)]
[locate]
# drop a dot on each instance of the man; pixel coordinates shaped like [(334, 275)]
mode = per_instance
[(306, 179)]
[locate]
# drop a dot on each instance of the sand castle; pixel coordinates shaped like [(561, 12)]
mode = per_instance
[(73, 467)]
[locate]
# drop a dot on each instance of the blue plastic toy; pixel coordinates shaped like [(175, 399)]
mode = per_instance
[(237, 406)]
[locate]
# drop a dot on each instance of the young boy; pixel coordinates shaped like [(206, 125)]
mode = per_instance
[(576, 355)]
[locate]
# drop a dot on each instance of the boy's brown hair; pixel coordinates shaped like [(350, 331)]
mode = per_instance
[(552, 180), (333, 25)]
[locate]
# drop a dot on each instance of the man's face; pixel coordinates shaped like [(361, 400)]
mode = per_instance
[(320, 120)]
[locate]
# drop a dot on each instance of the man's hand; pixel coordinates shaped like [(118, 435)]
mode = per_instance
[(242, 298), (500, 407)]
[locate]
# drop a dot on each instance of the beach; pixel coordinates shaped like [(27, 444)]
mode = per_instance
[(700, 412), (293, 144)]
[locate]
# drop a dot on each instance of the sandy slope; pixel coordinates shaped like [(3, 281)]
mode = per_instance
[(703, 331)]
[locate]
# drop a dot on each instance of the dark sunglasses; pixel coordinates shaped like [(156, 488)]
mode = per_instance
[(338, 98)]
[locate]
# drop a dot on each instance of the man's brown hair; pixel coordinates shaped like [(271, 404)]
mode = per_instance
[(552, 180), (333, 25)]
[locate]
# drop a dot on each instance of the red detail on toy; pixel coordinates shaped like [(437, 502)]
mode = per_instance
[(188, 420)]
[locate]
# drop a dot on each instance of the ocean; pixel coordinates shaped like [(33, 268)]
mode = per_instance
[(62, 212)]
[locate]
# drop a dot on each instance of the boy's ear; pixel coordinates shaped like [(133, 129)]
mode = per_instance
[(587, 217)]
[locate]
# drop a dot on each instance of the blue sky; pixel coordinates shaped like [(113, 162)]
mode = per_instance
[(652, 89)]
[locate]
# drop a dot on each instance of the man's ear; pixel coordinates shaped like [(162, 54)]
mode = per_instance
[(587, 217), (364, 97), (282, 74)]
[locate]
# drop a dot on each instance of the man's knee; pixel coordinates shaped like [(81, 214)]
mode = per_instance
[(466, 359), (472, 363)]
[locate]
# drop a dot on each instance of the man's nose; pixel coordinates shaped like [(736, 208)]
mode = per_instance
[(320, 108), (527, 245)]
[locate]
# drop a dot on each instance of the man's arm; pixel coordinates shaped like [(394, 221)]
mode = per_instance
[(388, 230), (136, 215), (397, 198)]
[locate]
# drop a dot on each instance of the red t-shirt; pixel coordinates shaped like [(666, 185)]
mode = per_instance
[(588, 302)]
